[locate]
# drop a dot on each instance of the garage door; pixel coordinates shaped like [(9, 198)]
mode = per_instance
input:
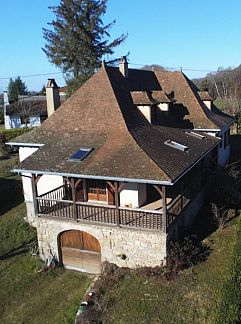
[(80, 251)]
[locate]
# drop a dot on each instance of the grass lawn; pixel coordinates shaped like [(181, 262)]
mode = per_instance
[(193, 297), (27, 296)]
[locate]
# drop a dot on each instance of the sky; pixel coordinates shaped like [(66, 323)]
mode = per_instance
[(197, 36)]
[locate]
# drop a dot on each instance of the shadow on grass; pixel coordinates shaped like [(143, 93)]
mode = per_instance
[(17, 251), (10, 194)]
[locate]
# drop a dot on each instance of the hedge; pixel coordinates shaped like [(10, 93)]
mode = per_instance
[(12, 133), (230, 307)]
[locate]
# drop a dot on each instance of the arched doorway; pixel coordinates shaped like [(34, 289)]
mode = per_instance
[(80, 251)]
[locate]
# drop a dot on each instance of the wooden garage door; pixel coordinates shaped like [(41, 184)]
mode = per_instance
[(80, 251)]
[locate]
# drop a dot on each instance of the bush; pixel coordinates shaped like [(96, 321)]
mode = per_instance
[(184, 254), (12, 133), (1, 117)]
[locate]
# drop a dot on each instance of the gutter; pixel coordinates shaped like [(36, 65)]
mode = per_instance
[(24, 144), (84, 176)]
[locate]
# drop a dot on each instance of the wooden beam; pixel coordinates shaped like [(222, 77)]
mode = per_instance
[(34, 191), (77, 182), (121, 186), (164, 209), (74, 197), (117, 203), (158, 189), (85, 196), (112, 187)]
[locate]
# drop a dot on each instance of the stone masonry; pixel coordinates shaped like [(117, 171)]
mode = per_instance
[(140, 247)]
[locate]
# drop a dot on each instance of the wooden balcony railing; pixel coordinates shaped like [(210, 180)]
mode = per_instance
[(54, 204)]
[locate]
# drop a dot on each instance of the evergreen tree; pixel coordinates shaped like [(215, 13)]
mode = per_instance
[(79, 39), (16, 87)]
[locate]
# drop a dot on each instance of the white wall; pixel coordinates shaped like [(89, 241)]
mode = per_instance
[(146, 111), (133, 195), (164, 106), (15, 122), (24, 152), (208, 104), (45, 183), (223, 153), (48, 182)]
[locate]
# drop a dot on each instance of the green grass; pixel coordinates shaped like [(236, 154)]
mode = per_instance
[(230, 305), (26, 295), (193, 297)]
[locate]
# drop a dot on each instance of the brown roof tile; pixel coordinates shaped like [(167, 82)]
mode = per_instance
[(101, 115)]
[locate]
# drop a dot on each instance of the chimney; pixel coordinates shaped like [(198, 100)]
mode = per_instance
[(52, 96), (7, 122), (123, 66), (5, 99)]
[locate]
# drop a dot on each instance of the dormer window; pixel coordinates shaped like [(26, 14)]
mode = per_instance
[(206, 99)]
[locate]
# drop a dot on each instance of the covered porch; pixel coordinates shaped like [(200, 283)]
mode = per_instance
[(105, 202)]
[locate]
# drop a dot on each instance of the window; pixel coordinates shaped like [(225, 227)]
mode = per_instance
[(80, 155), (24, 120), (176, 145), (196, 135)]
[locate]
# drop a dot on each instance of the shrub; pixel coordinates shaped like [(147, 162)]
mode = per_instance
[(184, 254), (12, 133)]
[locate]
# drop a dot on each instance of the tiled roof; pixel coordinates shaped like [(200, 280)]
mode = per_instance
[(149, 97), (189, 111), (204, 95), (31, 105), (35, 105), (101, 115)]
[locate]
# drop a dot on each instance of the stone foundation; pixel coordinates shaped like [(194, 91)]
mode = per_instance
[(121, 246)]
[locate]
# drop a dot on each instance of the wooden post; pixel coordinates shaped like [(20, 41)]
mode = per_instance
[(182, 199), (74, 199), (164, 209), (117, 203), (85, 190), (34, 190)]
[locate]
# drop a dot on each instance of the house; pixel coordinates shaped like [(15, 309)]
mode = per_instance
[(121, 167), (31, 111)]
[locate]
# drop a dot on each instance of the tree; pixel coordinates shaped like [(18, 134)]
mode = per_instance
[(79, 39), (16, 87)]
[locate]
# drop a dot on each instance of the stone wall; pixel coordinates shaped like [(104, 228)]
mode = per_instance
[(141, 248)]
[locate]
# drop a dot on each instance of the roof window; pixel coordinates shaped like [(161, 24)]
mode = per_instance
[(81, 154), (176, 145), (196, 135)]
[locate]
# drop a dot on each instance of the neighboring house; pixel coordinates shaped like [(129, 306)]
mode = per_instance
[(31, 111), (121, 167)]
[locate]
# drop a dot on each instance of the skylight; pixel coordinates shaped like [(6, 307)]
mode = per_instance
[(176, 145), (196, 135), (80, 155)]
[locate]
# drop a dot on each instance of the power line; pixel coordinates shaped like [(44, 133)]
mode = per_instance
[(131, 63), (30, 75)]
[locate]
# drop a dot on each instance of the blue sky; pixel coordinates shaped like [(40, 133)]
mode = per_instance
[(195, 35)]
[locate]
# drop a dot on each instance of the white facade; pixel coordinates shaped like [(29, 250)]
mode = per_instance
[(133, 195), (15, 122), (146, 111)]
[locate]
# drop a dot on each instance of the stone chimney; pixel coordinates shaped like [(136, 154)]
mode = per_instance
[(123, 66), (52, 96)]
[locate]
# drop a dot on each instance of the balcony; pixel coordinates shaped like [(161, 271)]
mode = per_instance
[(57, 204)]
